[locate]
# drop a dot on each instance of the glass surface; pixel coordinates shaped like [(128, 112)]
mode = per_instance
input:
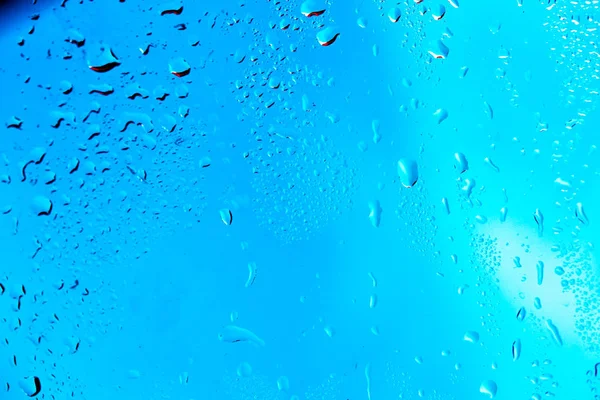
[(328, 199)]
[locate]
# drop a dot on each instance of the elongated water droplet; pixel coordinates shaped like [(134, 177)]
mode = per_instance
[(554, 331), (539, 220), (373, 279), (376, 135), (408, 172), (373, 301), (446, 205), (580, 214), (489, 162), (503, 214), (516, 349), (368, 379), (537, 303), (226, 216), (375, 211), (521, 314), (252, 270), (540, 272), (488, 110)]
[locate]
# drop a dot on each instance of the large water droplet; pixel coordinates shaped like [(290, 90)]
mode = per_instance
[(394, 14), (489, 388), (328, 36), (312, 8), (408, 172)]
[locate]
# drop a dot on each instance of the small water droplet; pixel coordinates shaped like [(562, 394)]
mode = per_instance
[(580, 214)]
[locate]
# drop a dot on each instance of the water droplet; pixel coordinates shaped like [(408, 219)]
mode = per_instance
[(438, 11), (252, 270), (329, 331), (373, 301), (537, 303), (362, 22), (539, 220), (439, 50), (481, 219), (446, 205), (283, 383), (471, 337), (440, 115), (134, 374), (102, 58), (489, 162), (204, 162), (375, 50), (521, 314), (408, 172), (540, 272), (580, 214), (375, 127), (41, 206), (517, 262), (516, 349), (375, 211), (489, 388), (328, 36), (419, 360), (312, 8), (454, 3), (460, 162), (373, 280), (394, 14), (488, 110), (554, 332), (226, 216), (559, 271), (235, 334), (503, 214), (179, 67), (244, 370)]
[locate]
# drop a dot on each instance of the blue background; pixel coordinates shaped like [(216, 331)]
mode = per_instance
[(287, 125)]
